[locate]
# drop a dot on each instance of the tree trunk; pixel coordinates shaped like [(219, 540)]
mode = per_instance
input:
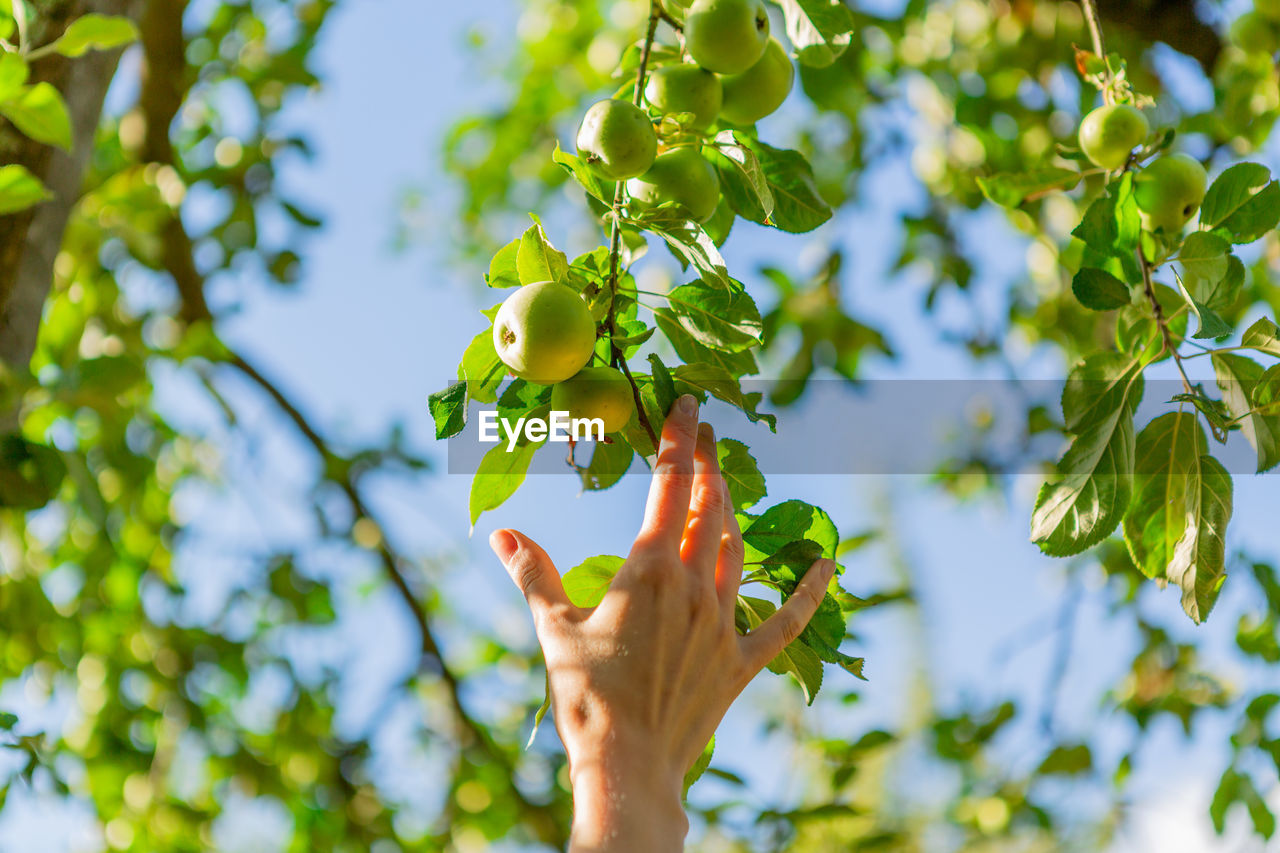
[(30, 239)]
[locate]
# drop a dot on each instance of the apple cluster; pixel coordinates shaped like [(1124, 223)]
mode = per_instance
[(735, 75), (1258, 30), (1168, 190)]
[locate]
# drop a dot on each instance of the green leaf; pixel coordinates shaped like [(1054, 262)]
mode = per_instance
[(819, 30), (741, 173), (797, 205), (1243, 202), (1204, 256), (19, 189), (1099, 290), (1266, 394), (587, 582), (1263, 336), (589, 180), (788, 522), (541, 713), (664, 388), (1067, 760), (741, 473), (30, 473), (796, 659), (503, 271), (1238, 378), (691, 352), (1211, 325), (1083, 507), (41, 114), (8, 721), (538, 260), (609, 462), (716, 381), (13, 74), (1166, 470), (96, 32), (1111, 225), (720, 318), (481, 368), (692, 246), (699, 766), (1013, 190), (1199, 561), (498, 476), (449, 409)]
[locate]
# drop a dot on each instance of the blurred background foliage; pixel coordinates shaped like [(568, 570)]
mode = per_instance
[(159, 715)]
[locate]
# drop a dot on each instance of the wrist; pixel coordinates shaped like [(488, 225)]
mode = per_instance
[(621, 804)]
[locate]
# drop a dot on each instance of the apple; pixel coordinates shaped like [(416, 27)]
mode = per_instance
[(1109, 133), (1169, 191), (761, 89), (544, 332), (596, 392), (726, 36), (680, 175), (685, 89), (1255, 32), (616, 140)]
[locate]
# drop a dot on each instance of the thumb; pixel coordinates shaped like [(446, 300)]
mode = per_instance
[(766, 642), (531, 570)]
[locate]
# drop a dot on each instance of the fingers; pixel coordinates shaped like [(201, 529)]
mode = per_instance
[(764, 643), (705, 525), (729, 561), (532, 571), (668, 505)]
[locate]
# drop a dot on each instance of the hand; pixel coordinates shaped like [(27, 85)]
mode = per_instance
[(640, 682)]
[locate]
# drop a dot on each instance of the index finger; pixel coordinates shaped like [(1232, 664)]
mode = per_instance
[(668, 506)]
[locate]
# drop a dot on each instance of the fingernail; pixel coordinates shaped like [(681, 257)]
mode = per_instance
[(688, 405), (503, 544), (706, 433)]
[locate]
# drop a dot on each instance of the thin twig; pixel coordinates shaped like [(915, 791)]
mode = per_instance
[(1158, 310), (615, 234)]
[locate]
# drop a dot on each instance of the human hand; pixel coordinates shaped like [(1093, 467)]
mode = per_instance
[(640, 682)]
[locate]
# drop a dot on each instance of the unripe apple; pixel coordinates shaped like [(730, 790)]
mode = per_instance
[(1109, 133), (544, 332), (681, 175), (616, 140), (1169, 191), (596, 392), (1268, 9), (1254, 32), (685, 89), (727, 36), (761, 89)]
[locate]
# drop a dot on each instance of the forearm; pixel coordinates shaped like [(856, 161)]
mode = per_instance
[(621, 806)]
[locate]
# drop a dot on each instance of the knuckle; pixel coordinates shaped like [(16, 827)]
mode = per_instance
[(732, 548), (709, 499), (673, 467), (526, 573)]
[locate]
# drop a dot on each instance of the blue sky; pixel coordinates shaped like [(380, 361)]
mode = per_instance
[(372, 331)]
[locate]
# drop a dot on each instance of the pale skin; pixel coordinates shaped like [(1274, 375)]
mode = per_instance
[(640, 682)]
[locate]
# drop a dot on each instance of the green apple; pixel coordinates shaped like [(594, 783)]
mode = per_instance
[(596, 392), (726, 36), (544, 332), (616, 140), (761, 89), (1109, 133), (1268, 9), (1169, 191), (680, 175), (685, 89), (1254, 32)]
